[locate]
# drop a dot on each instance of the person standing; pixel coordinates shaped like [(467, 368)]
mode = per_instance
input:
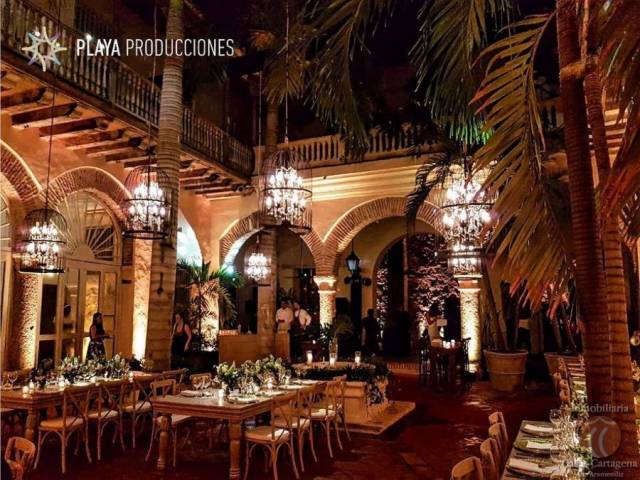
[(284, 316), (96, 338), (370, 330), (180, 340), (304, 319)]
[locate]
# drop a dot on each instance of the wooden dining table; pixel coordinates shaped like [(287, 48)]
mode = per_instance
[(38, 400), (213, 408)]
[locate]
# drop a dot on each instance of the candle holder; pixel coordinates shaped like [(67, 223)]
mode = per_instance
[(357, 358), (333, 357), (309, 357)]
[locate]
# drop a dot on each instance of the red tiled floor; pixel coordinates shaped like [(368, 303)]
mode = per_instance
[(442, 430)]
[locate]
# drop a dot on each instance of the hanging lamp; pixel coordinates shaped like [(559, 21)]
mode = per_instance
[(257, 263), (285, 200), (147, 212), (41, 245)]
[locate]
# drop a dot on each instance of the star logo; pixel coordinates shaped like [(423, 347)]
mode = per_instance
[(43, 49)]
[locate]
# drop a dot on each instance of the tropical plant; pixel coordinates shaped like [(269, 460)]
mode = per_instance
[(210, 286)]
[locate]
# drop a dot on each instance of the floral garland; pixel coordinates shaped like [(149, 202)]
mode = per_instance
[(230, 374)]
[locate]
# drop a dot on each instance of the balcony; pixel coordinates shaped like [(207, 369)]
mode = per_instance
[(117, 92)]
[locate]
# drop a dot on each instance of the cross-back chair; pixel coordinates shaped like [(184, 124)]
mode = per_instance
[(20, 454), (467, 469), (108, 411)]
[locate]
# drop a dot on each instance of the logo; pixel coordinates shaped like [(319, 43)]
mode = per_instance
[(43, 49), (605, 436)]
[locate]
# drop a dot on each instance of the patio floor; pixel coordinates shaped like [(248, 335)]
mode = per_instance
[(441, 431)]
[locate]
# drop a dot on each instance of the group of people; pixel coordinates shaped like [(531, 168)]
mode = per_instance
[(291, 316)]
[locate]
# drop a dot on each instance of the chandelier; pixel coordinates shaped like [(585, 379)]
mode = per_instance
[(285, 201), (466, 215), (257, 265), (147, 211), (41, 248)]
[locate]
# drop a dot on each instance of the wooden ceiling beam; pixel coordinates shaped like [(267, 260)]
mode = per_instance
[(39, 117)]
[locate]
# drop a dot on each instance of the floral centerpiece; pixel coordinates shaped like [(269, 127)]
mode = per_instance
[(229, 374), (72, 369)]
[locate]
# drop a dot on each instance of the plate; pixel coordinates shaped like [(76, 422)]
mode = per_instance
[(526, 473), (308, 382), (529, 428), (291, 387), (271, 393), (190, 393), (250, 399), (523, 446)]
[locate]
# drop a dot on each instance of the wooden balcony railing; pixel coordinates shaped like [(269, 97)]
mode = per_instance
[(114, 82)]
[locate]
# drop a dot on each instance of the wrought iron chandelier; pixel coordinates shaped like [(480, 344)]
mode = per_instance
[(257, 265), (42, 243), (285, 200), (148, 211), (466, 216)]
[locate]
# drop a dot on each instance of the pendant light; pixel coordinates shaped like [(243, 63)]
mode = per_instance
[(41, 244), (285, 201), (257, 264), (147, 212)]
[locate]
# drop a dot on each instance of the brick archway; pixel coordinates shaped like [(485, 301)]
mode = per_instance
[(351, 223), (235, 236), (19, 176), (102, 184)]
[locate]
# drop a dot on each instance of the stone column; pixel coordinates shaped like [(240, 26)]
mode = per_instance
[(267, 295), (142, 256), (27, 296), (327, 292), (470, 318)]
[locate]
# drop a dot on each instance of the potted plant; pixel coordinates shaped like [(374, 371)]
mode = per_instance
[(505, 363)]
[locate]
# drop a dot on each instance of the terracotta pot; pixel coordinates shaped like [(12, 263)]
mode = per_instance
[(552, 360), (506, 369)]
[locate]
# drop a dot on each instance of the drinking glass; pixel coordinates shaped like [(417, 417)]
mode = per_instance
[(206, 383), (12, 376), (556, 417)]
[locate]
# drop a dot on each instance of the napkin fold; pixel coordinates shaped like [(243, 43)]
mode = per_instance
[(538, 445), (529, 466), (538, 428)]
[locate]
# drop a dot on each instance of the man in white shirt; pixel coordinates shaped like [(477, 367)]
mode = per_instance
[(284, 316), (302, 315)]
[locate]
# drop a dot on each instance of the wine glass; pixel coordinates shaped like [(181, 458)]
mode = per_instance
[(206, 383), (12, 377)]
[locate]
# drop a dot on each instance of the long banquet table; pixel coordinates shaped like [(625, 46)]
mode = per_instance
[(33, 403), (542, 459), (213, 408)]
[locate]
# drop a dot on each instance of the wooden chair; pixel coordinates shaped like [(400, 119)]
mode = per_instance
[(161, 388), (108, 411), (20, 454), (496, 432), (301, 424), (75, 408), (195, 379), (498, 417), (177, 375), (468, 469), (275, 435), (341, 404), (488, 450), (137, 405), (324, 412)]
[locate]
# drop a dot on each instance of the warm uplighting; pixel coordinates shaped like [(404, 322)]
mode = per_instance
[(42, 246), (466, 214), (148, 211)]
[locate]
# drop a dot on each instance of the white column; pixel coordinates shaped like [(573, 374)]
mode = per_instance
[(327, 292), (470, 318)]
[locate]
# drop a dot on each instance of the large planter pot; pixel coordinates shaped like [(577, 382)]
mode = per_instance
[(506, 369), (552, 360)]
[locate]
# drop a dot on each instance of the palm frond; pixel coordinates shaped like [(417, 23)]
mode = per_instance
[(531, 237), (431, 174), (451, 34)]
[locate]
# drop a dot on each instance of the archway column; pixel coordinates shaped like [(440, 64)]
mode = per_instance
[(327, 292), (24, 329), (470, 319)]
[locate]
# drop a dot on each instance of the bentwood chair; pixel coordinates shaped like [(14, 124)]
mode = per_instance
[(488, 450), (468, 469), (274, 437), (162, 388), (301, 423), (177, 375), (496, 432), (108, 411), (75, 408), (341, 403), (498, 417), (20, 454), (137, 405), (324, 412)]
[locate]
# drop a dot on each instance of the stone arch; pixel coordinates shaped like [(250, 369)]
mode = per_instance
[(353, 221), (239, 232), (19, 176), (102, 184)]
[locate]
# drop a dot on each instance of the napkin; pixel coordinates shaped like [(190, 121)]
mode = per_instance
[(530, 466), (538, 445), (190, 393), (538, 428)]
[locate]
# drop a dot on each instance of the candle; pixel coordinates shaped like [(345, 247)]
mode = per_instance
[(61, 382), (93, 379), (25, 390), (358, 358), (32, 386), (309, 357), (332, 358), (130, 376)]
